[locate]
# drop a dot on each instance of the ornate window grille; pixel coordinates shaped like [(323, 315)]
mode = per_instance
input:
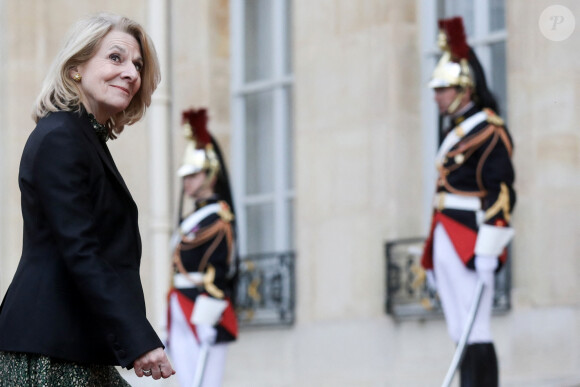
[(407, 294), (266, 290)]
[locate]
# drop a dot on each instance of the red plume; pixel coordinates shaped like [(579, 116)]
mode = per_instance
[(456, 39), (197, 119)]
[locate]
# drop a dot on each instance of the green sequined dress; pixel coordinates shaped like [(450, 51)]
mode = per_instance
[(31, 370)]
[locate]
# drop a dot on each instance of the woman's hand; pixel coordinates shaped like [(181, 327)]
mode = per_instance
[(154, 363)]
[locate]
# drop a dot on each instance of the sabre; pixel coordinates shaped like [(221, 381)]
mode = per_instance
[(200, 367), (465, 335), (206, 313)]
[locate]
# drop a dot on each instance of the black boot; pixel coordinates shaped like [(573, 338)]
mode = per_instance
[(479, 366), (466, 375)]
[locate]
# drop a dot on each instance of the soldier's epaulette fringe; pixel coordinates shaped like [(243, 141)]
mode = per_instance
[(225, 213), (493, 118)]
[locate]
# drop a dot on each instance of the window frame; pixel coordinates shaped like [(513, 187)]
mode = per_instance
[(280, 83)]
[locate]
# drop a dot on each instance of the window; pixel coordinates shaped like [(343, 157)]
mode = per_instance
[(262, 128)]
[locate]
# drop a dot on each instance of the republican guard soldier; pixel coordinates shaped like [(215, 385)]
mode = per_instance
[(473, 202)]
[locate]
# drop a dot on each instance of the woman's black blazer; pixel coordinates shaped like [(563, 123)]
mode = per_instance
[(76, 293)]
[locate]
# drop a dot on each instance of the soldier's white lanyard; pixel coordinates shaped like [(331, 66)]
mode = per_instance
[(191, 221)]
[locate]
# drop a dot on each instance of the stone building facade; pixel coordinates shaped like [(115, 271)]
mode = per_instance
[(359, 124)]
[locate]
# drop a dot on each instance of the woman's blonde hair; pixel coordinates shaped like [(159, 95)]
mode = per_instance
[(59, 91)]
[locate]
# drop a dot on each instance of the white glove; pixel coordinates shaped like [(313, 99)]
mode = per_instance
[(206, 334), (431, 283), (207, 310), (485, 267)]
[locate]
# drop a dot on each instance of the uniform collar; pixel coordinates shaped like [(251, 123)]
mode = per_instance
[(464, 114), (206, 201)]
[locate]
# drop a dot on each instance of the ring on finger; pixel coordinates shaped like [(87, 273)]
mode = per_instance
[(147, 372)]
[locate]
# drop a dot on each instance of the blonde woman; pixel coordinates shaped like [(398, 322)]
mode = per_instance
[(75, 307)]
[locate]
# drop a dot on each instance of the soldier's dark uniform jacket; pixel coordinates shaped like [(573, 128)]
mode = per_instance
[(474, 195), (206, 247)]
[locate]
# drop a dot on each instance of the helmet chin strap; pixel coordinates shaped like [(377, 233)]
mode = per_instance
[(456, 102)]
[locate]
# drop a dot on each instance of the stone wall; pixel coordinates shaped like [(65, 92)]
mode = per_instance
[(358, 166)]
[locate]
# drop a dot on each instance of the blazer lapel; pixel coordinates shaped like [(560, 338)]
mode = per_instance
[(104, 153), (107, 159)]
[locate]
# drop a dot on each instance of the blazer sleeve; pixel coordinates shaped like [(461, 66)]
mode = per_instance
[(64, 170)]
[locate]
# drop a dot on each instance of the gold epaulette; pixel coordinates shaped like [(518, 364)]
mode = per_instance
[(493, 118), (225, 213)]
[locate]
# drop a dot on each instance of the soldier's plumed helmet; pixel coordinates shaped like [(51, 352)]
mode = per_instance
[(459, 65), (199, 152), (453, 68)]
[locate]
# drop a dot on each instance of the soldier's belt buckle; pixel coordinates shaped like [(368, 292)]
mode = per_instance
[(440, 201)]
